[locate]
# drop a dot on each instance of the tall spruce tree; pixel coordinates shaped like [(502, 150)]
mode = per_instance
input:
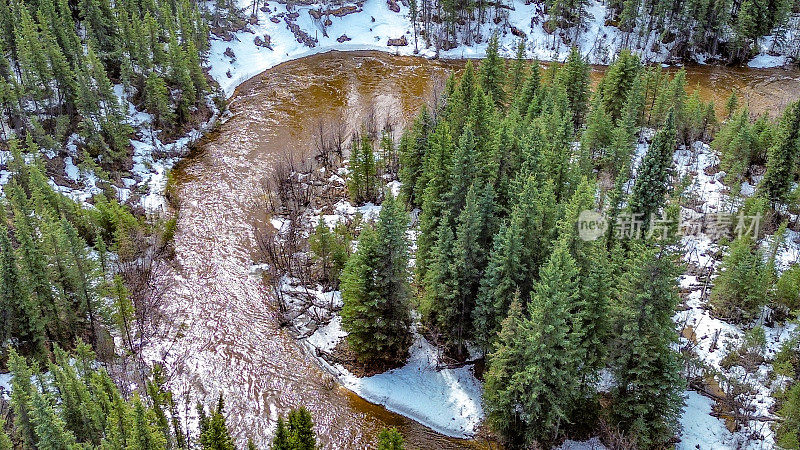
[(375, 290), (653, 176), (492, 73), (647, 396), (783, 156)]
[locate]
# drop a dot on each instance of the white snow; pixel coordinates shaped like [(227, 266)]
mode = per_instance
[(446, 400), (700, 429)]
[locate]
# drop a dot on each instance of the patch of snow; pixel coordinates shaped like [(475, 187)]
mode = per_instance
[(700, 429), (591, 444), (72, 171), (446, 400)]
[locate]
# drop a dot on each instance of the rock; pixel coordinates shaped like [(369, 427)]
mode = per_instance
[(315, 13), (265, 42), (342, 38), (265, 9), (252, 20), (274, 20), (228, 74), (517, 32), (393, 5), (399, 42), (229, 53), (293, 15), (328, 22), (301, 36)]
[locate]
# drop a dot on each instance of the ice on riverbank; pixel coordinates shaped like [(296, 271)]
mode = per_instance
[(446, 400)]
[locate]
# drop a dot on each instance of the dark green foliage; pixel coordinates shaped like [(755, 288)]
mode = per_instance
[(50, 290), (390, 439), (492, 73), (214, 434), (295, 433), (521, 247), (788, 431), (532, 377), (375, 289), (413, 147), (362, 181), (783, 155), (653, 177), (647, 397), (330, 250), (741, 288), (78, 406), (61, 59), (574, 78)]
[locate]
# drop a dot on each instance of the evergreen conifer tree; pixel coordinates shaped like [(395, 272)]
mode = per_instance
[(375, 288), (390, 439)]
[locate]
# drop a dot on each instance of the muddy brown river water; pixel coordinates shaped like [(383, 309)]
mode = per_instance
[(226, 334)]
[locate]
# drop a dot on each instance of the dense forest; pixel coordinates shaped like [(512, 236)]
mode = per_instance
[(497, 175), (60, 60)]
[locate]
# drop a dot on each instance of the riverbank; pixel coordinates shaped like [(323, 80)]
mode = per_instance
[(373, 25)]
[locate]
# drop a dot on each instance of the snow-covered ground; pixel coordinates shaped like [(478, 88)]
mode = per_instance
[(710, 338), (446, 400)]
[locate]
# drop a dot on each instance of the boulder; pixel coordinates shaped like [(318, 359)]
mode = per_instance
[(398, 42)]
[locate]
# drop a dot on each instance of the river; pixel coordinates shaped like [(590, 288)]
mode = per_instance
[(225, 333)]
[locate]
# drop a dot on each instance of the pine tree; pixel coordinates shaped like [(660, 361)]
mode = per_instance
[(617, 83), (157, 101), (390, 439), (375, 288), (475, 227), (21, 315), (519, 250), (518, 70), (412, 154), (647, 397), (216, 436), (783, 156), (436, 172), (533, 375), (652, 178), (742, 286), (492, 73), (598, 133), (22, 394), (529, 90), (788, 431), (574, 78), (51, 432), (145, 432), (502, 400), (281, 439), (362, 182), (301, 430)]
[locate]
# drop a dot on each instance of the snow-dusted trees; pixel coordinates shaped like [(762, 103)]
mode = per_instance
[(59, 60)]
